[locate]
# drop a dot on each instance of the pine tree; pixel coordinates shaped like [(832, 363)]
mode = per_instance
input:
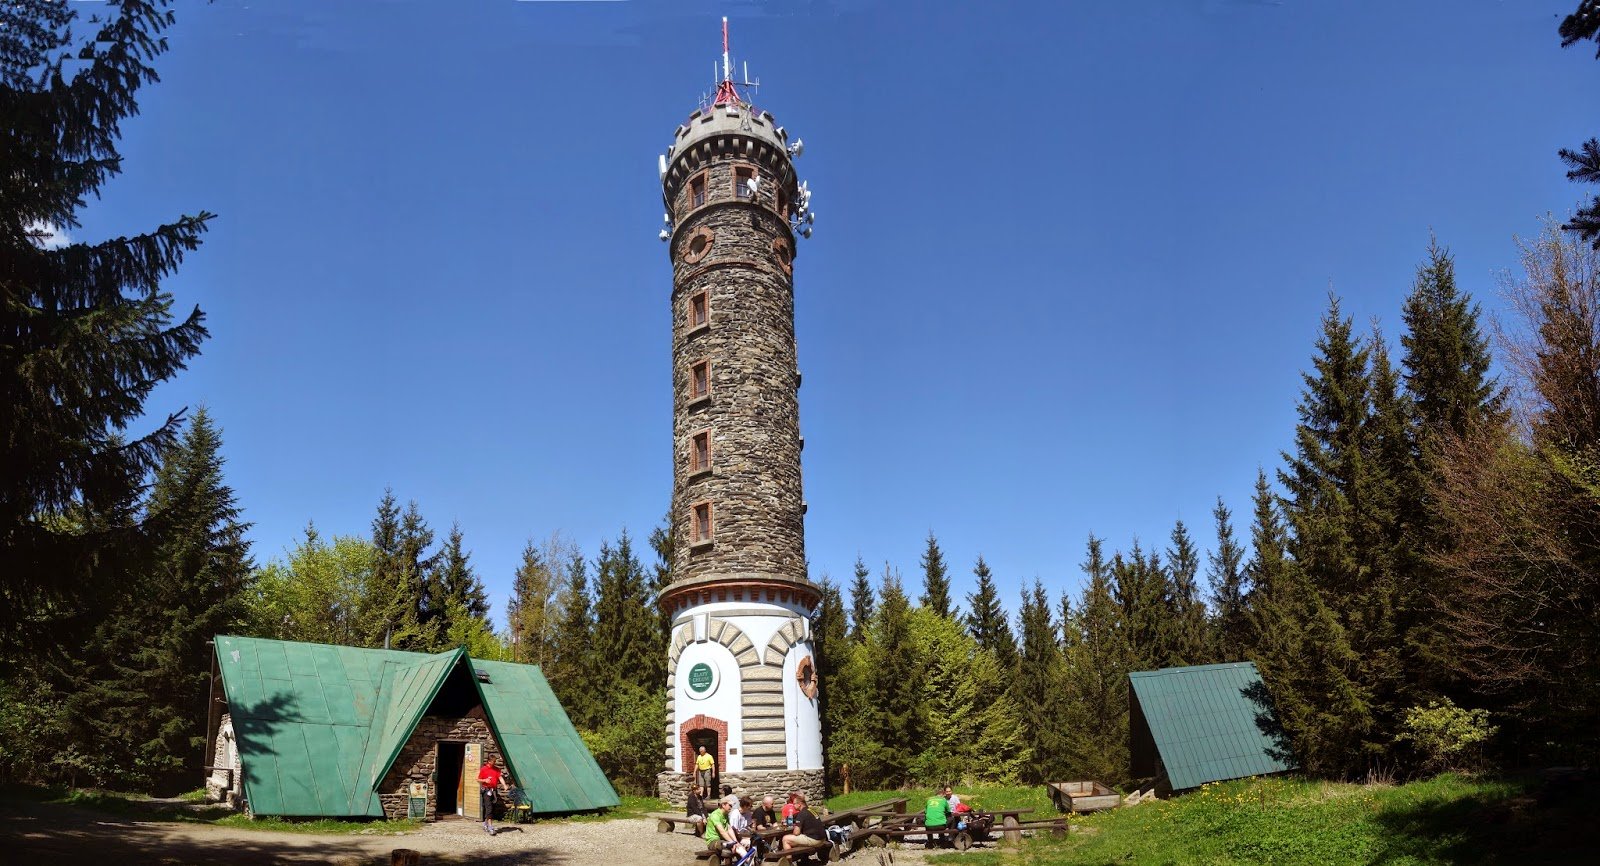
[(935, 579), (896, 680), (1306, 663), (661, 577), (1230, 632), (1584, 163), (1188, 645), (455, 588), (1094, 714), (86, 333), (571, 670), (625, 626), (1036, 688), (831, 644), (387, 614), (860, 602), (987, 620), (415, 577), (1446, 357), (149, 692), (1143, 591)]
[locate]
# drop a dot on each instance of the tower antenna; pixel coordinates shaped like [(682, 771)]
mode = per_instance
[(727, 93)]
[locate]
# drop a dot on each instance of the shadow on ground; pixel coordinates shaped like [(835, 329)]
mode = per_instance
[(1543, 819)]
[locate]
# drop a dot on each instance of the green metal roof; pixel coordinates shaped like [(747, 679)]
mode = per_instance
[(1203, 721), (318, 726)]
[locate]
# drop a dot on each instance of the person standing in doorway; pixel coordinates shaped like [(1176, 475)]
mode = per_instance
[(490, 781), (705, 767)]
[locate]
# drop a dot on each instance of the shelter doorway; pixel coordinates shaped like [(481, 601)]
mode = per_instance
[(447, 779), (708, 738)]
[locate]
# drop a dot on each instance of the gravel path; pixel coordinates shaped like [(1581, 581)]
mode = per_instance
[(46, 833)]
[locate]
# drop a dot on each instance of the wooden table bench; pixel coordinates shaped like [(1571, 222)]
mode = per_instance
[(666, 822), (819, 852)]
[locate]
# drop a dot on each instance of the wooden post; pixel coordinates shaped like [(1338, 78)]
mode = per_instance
[(405, 857)]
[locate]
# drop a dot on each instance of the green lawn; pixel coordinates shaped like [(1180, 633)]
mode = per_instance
[(1448, 820)]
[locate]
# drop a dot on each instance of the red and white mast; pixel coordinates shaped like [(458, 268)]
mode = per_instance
[(726, 94)]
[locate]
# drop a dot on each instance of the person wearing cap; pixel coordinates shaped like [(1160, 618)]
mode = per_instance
[(719, 830)]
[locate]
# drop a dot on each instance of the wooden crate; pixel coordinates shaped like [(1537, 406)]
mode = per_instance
[(1082, 797)]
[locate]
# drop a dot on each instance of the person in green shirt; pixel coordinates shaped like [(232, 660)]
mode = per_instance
[(719, 831), (936, 815)]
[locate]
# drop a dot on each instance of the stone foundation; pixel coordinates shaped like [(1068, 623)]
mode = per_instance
[(674, 787), (223, 784), (418, 758)]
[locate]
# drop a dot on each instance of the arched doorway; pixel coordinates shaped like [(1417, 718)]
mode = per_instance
[(713, 734)]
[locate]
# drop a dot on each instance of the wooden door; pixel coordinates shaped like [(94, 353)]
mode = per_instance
[(469, 781)]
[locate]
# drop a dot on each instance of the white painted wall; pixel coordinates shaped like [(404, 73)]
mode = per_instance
[(802, 722), (723, 702), (759, 629)]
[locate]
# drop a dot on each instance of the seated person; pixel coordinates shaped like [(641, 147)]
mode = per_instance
[(696, 809), (789, 808), (766, 814), (807, 827), (936, 815), (719, 831), (742, 820)]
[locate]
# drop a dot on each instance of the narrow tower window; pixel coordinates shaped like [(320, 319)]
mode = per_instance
[(700, 452), (697, 190), (700, 380), (741, 182), (701, 528), (699, 310)]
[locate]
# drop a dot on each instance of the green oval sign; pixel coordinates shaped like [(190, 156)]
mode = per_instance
[(701, 677)]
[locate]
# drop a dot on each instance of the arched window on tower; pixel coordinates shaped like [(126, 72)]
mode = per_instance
[(700, 525), (697, 190), (742, 186)]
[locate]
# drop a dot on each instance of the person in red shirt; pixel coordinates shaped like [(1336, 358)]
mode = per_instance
[(490, 781)]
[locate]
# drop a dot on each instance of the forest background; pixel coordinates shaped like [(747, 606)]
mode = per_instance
[(1418, 577)]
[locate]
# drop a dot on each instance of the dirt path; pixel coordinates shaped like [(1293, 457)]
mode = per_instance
[(45, 833)]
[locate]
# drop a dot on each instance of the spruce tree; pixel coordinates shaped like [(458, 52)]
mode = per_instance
[(1188, 644), (896, 681), (86, 333), (1036, 687), (830, 642), (455, 588), (987, 620), (1143, 591), (935, 579), (661, 577), (415, 575), (1584, 163), (1095, 717), (147, 696), (571, 670), (1446, 357), (387, 616), (1225, 574), (860, 601), (625, 625)]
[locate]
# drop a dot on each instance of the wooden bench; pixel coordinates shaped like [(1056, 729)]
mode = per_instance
[(819, 852), (666, 822)]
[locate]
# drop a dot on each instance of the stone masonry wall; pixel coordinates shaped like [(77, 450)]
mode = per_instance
[(674, 787), (418, 757), (754, 485), (223, 786)]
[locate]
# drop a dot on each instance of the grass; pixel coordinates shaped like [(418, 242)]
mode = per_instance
[(986, 797), (330, 826), (1447, 820)]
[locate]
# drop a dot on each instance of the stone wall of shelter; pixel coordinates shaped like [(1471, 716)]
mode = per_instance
[(420, 754)]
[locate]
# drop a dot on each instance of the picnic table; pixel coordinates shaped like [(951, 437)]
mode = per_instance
[(980, 826), (820, 852)]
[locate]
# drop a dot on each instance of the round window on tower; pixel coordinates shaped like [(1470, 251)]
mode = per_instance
[(780, 249), (698, 245), (806, 673)]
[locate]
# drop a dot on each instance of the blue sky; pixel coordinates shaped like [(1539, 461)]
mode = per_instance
[(1069, 258)]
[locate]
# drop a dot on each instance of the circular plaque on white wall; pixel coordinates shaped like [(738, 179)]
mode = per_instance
[(701, 680)]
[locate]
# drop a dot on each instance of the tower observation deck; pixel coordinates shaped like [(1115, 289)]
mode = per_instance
[(740, 669)]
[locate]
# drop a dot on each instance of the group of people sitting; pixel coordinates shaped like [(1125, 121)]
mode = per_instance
[(729, 821), (944, 811)]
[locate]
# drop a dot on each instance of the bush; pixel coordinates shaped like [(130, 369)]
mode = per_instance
[(1446, 736)]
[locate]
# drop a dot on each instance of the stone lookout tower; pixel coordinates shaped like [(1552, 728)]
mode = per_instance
[(740, 670)]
